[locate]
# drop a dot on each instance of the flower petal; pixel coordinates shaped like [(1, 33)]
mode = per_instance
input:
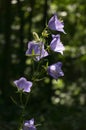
[(56, 44), (23, 84), (55, 24), (38, 49), (55, 70), (29, 125)]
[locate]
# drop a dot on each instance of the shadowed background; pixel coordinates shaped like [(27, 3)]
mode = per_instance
[(55, 104)]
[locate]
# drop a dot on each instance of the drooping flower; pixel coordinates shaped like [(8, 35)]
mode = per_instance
[(55, 70), (23, 84), (56, 44), (29, 125), (55, 24), (38, 49)]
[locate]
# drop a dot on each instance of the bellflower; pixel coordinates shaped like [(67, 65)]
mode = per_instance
[(23, 84), (38, 49), (55, 70), (29, 125), (56, 44), (55, 24)]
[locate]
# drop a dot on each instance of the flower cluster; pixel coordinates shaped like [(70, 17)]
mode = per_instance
[(37, 50)]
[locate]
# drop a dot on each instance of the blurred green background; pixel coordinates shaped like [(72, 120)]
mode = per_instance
[(57, 105)]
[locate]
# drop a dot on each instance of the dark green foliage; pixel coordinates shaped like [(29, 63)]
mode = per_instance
[(57, 105)]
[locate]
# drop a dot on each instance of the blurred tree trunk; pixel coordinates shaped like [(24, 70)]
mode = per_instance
[(32, 3), (22, 56), (6, 54), (45, 12)]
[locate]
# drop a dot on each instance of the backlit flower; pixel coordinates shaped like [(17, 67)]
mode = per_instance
[(55, 70), (23, 84), (29, 125), (56, 44), (55, 24), (36, 49)]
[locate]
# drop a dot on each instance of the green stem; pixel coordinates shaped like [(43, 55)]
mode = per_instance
[(21, 100), (21, 119), (27, 100)]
